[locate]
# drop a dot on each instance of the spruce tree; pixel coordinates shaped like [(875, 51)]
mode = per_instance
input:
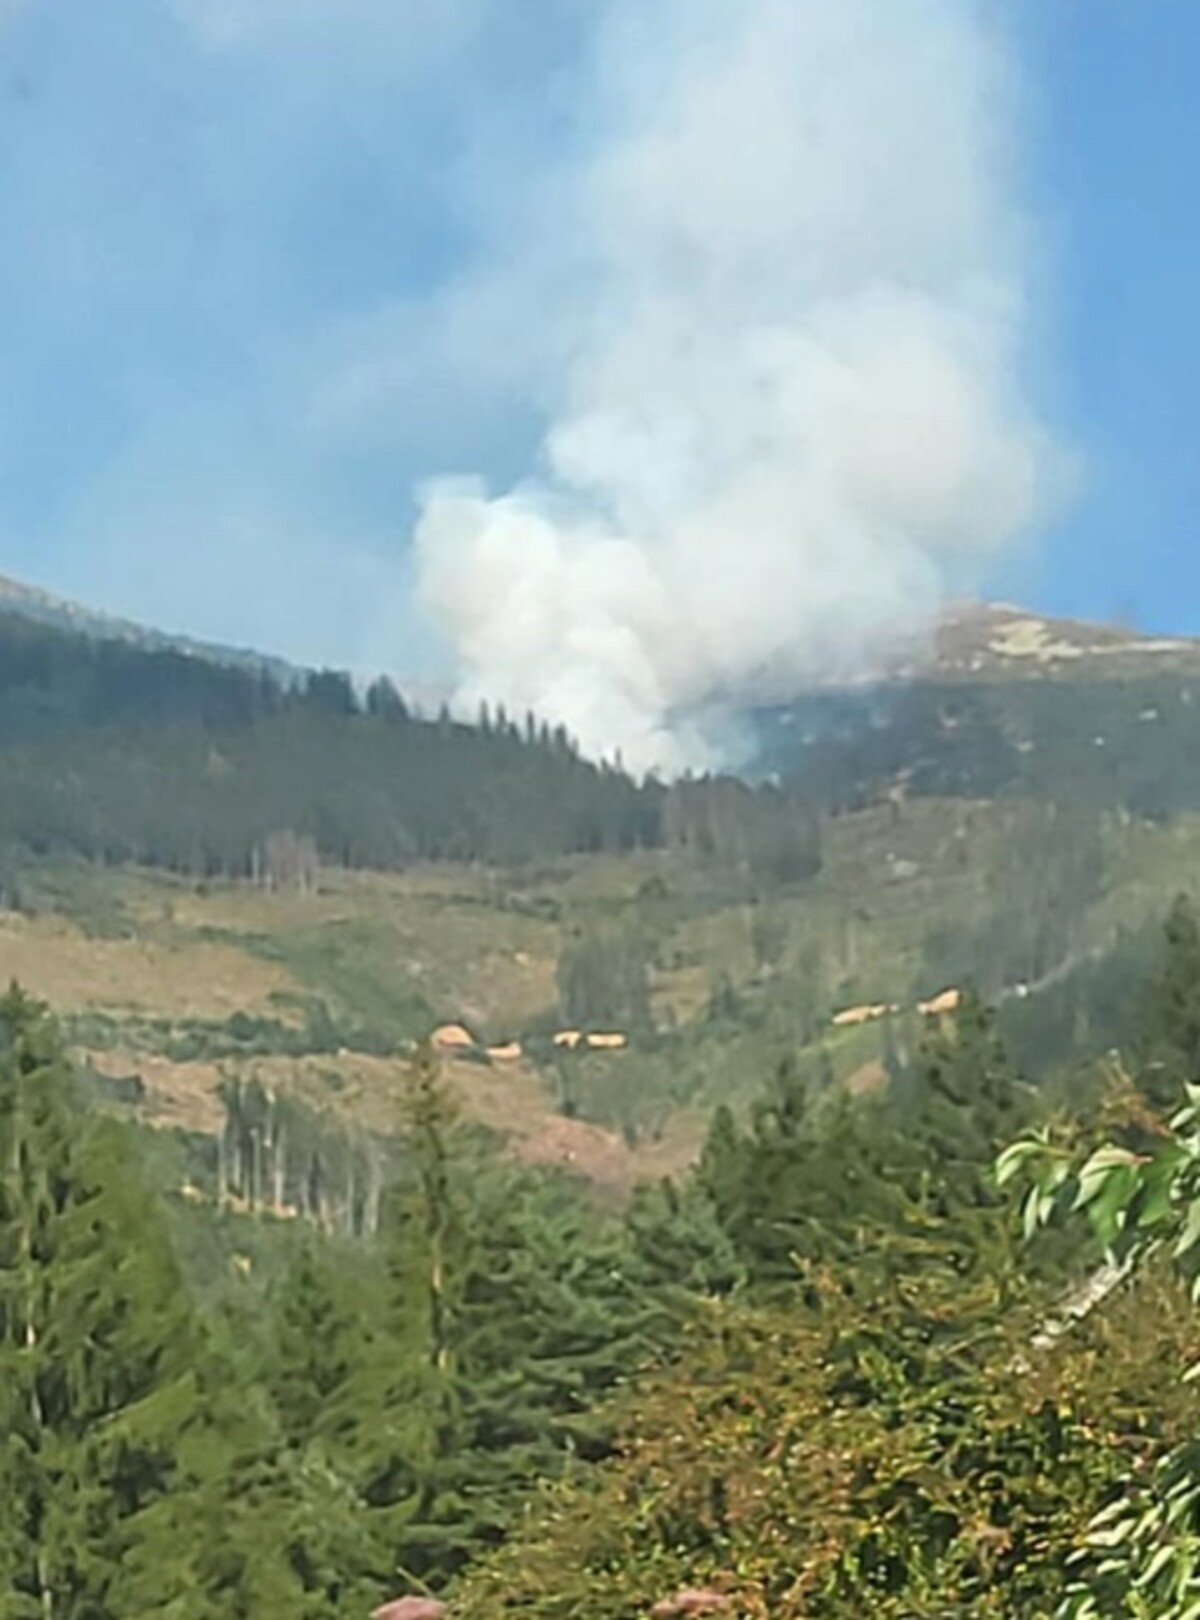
[(503, 1318), (94, 1337), (681, 1249), (803, 1185), (401, 1400), (959, 1103), (138, 1470), (311, 1344)]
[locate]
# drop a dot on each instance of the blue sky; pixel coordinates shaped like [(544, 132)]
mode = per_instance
[(236, 336), (1115, 151)]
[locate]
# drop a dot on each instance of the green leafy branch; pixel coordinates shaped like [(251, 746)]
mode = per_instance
[(1141, 1555)]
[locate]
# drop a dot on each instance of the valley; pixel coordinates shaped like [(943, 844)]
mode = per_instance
[(453, 1141), (321, 992)]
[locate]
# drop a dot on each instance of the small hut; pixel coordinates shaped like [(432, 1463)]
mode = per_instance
[(852, 1017), (938, 1006), (615, 1042), (453, 1038)]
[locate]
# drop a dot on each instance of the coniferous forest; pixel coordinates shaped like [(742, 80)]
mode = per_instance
[(841, 1368), (119, 752), (909, 1335)]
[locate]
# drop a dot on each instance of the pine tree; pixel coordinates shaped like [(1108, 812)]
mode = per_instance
[(503, 1318), (961, 1101), (802, 1186), (94, 1336), (311, 1348)]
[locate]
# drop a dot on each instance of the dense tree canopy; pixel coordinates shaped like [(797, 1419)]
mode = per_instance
[(125, 753), (814, 1377)]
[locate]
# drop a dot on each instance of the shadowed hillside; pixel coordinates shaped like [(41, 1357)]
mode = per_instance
[(119, 752)]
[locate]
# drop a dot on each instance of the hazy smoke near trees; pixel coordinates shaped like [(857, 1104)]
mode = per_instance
[(781, 334)]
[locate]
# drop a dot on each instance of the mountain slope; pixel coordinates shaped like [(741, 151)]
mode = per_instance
[(334, 877), (1004, 703), (120, 751), (997, 640), (42, 607)]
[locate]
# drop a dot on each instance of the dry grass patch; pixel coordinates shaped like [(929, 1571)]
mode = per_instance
[(448, 934), (867, 1080), (54, 961), (180, 1096), (369, 1093)]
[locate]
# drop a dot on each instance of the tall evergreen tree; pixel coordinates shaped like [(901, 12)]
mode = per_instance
[(311, 1345), (95, 1340), (139, 1472), (504, 1317), (681, 1248), (802, 1185), (959, 1102), (949, 1114)]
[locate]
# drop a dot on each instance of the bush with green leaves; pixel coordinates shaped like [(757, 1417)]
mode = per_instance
[(1141, 1199)]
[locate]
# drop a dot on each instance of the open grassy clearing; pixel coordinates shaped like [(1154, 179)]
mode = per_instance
[(180, 978), (360, 1093), (323, 992)]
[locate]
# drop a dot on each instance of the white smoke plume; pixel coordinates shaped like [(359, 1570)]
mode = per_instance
[(787, 304)]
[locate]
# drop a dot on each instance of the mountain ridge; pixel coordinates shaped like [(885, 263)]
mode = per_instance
[(45, 607), (972, 641), (982, 638)]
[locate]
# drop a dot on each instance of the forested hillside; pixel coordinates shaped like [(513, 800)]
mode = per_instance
[(806, 1379), (224, 879), (455, 1169), (1119, 742), (18, 599), (121, 752)]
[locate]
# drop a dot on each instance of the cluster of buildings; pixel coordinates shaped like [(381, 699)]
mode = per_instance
[(947, 1001), (456, 1040), (451, 1039)]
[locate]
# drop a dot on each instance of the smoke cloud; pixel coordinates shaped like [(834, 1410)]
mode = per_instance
[(782, 320)]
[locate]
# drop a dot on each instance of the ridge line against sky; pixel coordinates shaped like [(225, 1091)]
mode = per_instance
[(250, 299)]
